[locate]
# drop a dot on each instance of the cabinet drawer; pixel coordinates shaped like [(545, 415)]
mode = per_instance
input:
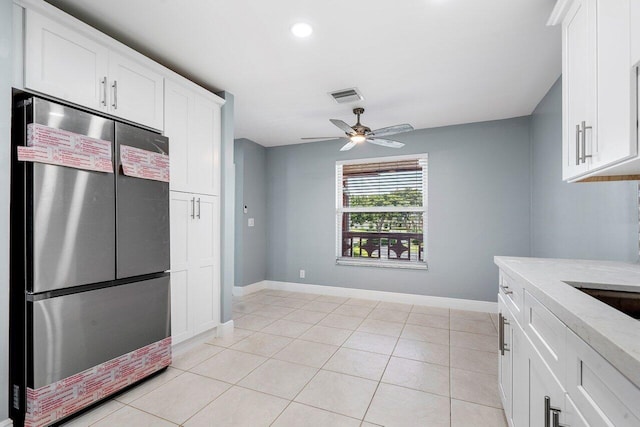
[(600, 392), (513, 294), (547, 333)]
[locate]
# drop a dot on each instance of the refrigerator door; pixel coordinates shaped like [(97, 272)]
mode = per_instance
[(75, 332), (73, 211), (142, 207)]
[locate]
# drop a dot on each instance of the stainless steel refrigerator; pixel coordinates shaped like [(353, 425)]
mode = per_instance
[(90, 297)]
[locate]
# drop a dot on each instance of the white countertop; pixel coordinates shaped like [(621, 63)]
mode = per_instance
[(611, 333)]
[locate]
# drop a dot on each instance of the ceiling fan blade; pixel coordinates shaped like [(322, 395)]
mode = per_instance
[(390, 130), (324, 137), (342, 125), (385, 142), (348, 146)]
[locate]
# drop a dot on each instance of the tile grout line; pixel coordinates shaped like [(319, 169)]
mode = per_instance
[(384, 371), (362, 319)]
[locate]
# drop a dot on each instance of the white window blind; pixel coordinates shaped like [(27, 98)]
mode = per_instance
[(381, 207)]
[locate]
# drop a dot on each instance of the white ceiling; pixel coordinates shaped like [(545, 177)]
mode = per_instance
[(424, 62)]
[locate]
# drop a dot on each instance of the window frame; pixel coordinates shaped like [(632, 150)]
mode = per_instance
[(341, 210)]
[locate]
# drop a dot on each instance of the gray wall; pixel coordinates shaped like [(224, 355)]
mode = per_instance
[(6, 70), (581, 220), (479, 204), (227, 217), (251, 191)]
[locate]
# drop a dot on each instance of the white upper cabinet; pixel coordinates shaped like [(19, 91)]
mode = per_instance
[(578, 88), (616, 134), (634, 18), (192, 123), (136, 92), (69, 64), (599, 102), (64, 64)]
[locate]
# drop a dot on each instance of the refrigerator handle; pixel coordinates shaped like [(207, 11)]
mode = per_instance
[(198, 207), (193, 208)]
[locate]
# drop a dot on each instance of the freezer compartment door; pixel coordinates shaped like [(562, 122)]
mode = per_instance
[(72, 233), (142, 218), (75, 332)]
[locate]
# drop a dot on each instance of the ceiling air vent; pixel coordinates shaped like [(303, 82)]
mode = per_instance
[(344, 96)]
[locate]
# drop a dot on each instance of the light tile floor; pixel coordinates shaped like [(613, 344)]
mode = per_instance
[(317, 360)]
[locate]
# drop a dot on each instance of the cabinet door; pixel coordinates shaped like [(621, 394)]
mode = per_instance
[(178, 113), (573, 417), (182, 218), (205, 264), (520, 377), (616, 109), (136, 92), (542, 386), (204, 147), (600, 392), (63, 63), (505, 366), (635, 32), (578, 88)]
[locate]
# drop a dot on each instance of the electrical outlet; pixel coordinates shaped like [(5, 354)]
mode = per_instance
[(251, 222), (302, 274)]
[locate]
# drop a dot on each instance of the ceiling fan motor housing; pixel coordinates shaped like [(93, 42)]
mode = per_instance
[(359, 128)]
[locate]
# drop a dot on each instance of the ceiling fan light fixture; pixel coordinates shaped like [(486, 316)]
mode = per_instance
[(357, 138), (301, 29)]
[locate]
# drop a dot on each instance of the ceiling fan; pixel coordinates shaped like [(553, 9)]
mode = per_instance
[(359, 133)]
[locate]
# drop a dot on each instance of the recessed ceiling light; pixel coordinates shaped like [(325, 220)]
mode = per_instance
[(301, 29)]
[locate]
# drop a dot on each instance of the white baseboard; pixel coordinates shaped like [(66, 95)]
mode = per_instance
[(6, 423), (240, 291), (189, 343), (454, 303), (225, 329)]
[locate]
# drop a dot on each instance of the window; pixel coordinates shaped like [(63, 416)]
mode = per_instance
[(381, 211)]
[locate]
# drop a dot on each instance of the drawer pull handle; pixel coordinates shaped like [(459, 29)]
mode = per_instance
[(506, 290)]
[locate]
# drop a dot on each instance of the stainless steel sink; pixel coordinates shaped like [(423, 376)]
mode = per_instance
[(625, 299)]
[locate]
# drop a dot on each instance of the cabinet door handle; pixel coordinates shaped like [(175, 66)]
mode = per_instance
[(193, 208), (115, 95), (556, 419), (577, 145), (584, 141), (198, 207), (549, 412), (504, 346), (104, 91), (501, 334)]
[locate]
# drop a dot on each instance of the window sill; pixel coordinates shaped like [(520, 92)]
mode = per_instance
[(383, 264)]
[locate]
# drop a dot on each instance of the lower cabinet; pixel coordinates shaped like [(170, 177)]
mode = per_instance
[(546, 395), (550, 377), (505, 357), (195, 268)]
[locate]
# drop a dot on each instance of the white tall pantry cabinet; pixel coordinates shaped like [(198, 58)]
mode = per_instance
[(192, 123)]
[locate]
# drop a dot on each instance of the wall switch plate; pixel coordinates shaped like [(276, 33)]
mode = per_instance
[(246, 209), (252, 222), (302, 274)]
